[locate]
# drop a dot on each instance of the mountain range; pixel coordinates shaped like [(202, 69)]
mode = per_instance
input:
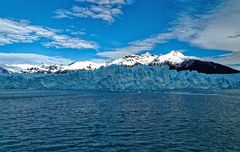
[(175, 60)]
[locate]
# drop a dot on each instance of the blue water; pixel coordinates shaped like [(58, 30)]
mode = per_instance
[(117, 121)]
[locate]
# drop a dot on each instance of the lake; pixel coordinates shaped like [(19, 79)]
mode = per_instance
[(119, 121)]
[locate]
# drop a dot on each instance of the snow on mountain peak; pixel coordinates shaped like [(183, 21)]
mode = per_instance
[(43, 68), (83, 65), (147, 54), (175, 54), (174, 57), (134, 59), (17, 68)]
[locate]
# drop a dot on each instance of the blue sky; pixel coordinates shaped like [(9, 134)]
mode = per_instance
[(63, 31)]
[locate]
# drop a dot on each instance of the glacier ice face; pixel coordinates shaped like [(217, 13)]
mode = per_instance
[(122, 78)]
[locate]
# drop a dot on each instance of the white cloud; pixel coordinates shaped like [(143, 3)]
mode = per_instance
[(229, 59), (217, 29), (31, 59), (63, 41), (106, 10), (77, 33), (12, 31)]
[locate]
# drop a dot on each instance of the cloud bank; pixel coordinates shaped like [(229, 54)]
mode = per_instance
[(12, 31), (218, 28)]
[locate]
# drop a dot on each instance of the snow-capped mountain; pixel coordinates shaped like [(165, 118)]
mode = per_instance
[(43, 68), (81, 65), (175, 60), (59, 68), (17, 68), (2, 70), (134, 59), (131, 60)]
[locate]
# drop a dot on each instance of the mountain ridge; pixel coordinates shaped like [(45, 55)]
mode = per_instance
[(176, 60)]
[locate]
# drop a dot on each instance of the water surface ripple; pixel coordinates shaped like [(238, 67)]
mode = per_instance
[(117, 121)]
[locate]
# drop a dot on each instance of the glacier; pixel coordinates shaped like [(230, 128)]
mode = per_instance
[(117, 77)]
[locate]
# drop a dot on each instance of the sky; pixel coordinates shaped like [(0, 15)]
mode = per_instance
[(61, 32)]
